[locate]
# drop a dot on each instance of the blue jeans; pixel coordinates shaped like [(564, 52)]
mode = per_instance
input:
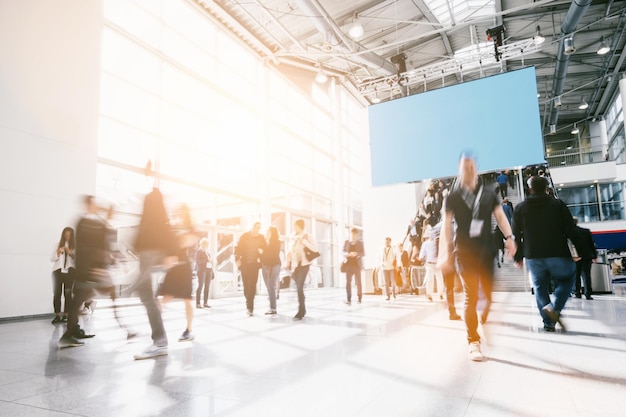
[(270, 276), (299, 276), (560, 270), (353, 271)]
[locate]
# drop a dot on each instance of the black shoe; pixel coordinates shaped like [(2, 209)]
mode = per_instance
[(80, 334), (56, 320), (550, 329), (64, 319), (578, 296), (454, 316), (588, 297)]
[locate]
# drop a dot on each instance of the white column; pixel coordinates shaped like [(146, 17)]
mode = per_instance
[(598, 137), (49, 89)]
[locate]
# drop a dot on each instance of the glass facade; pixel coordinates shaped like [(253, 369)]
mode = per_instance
[(229, 135), (596, 202)]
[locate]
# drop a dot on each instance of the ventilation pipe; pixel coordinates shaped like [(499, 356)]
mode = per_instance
[(576, 11), (334, 36)]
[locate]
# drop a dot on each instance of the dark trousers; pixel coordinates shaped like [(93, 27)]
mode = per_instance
[(503, 189), (81, 294), (250, 277), (476, 273), (62, 284), (583, 268), (448, 282), (299, 276), (353, 271), (205, 275)]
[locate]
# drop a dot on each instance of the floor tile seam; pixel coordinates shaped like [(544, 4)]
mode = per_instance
[(42, 408)]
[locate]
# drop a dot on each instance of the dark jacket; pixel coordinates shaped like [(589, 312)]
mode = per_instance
[(542, 225), (271, 254), (247, 250), (587, 249), (357, 247), (92, 246)]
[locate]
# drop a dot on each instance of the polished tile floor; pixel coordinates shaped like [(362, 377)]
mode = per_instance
[(379, 358)]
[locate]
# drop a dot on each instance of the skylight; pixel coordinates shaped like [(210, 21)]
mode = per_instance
[(450, 12)]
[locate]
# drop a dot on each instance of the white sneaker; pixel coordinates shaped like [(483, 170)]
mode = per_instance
[(152, 352), (474, 352)]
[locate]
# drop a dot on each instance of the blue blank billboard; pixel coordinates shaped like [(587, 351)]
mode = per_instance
[(421, 136)]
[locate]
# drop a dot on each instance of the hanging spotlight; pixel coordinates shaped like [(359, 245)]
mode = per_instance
[(376, 99), (538, 39), (583, 104), (604, 48), (321, 78), (568, 45), (356, 29), (552, 129), (575, 130), (557, 102)]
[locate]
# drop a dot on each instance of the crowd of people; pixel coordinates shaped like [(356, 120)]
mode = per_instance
[(83, 255), (450, 236)]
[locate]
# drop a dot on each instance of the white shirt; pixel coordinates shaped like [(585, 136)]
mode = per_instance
[(60, 262), (388, 255), (428, 252)]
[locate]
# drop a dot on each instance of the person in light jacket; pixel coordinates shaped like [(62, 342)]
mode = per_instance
[(298, 263), (63, 273)]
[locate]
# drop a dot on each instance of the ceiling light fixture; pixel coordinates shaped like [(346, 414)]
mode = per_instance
[(356, 29), (575, 130), (583, 104), (321, 78), (557, 102), (376, 99), (538, 39), (604, 48), (568, 45), (552, 129)]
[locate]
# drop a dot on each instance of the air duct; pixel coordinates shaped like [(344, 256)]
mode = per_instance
[(335, 37), (576, 11)]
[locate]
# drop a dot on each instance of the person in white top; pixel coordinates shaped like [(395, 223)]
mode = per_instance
[(299, 264), (388, 256), (428, 254), (63, 273)]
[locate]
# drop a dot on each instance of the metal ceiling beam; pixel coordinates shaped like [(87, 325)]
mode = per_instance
[(424, 10), (576, 11)]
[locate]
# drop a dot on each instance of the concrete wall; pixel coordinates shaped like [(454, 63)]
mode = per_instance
[(49, 87)]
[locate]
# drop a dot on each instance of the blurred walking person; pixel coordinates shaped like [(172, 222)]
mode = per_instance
[(388, 265), (270, 264), (178, 279), (470, 204), (248, 254), (298, 263), (428, 254), (353, 251), (542, 226), (156, 245), (204, 271)]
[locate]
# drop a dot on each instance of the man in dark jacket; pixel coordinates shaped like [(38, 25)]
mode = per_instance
[(588, 254), (248, 254), (542, 226)]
